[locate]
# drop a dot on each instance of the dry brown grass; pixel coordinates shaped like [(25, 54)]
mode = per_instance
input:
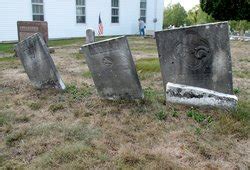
[(77, 129)]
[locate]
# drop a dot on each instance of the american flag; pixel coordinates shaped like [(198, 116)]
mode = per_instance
[(100, 26)]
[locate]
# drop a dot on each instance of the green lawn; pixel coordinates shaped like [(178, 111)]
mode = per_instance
[(6, 48)]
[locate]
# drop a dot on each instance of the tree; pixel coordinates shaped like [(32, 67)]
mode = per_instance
[(197, 16), (241, 26), (227, 9), (174, 15)]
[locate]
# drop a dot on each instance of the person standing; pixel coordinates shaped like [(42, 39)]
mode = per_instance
[(142, 27)]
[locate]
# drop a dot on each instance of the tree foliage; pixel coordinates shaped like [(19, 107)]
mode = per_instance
[(197, 16), (240, 26), (174, 15), (227, 9)]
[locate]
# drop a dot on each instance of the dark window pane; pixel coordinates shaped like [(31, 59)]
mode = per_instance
[(37, 1), (115, 19), (115, 3), (37, 9), (115, 11), (80, 19), (80, 10), (143, 13), (38, 18), (80, 2), (143, 5)]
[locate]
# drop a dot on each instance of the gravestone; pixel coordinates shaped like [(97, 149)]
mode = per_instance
[(37, 62), (28, 28), (90, 36), (113, 69), (197, 56)]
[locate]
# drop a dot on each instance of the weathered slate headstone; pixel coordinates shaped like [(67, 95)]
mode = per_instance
[(90, 36), (37, 62), (113, 69), (195, 96), (197, 56), (28, 28)]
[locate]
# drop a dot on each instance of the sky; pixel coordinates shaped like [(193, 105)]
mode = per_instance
[(187, 4)]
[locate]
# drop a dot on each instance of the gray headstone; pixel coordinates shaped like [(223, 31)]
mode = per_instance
[(38, 64), (197, 56), (90, 36), (195, 96), (113, 69)]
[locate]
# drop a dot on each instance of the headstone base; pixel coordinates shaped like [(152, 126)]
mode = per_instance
[(195, 96)]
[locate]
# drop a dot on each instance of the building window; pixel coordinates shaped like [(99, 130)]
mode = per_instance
[(114, 11), (37, 10), (143, 10), (80, 11)]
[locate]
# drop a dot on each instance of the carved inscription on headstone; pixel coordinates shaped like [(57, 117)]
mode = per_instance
[(28, 28), (113, 69), (197, 56), (38, 63)]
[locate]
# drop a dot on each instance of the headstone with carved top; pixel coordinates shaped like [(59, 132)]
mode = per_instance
[(197, 56), (113, 69), (37, 62)]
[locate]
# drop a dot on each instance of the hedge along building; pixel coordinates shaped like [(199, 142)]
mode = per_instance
[(71, 18)]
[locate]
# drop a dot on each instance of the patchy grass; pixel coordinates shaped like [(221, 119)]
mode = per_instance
[(78, 93), (198, 117), (14, 137), (6, 117), (242, 112), (245, 60), (78, 56), (35, 105), (148, 65), (76, 129), (237, 122), (78, 41), (162, 115), (22, 118), (65, 42), (6, 48), (77, 155), (87, 74), (8, 59), (236, 90), (56, 107), (242, 74), (81, 132)]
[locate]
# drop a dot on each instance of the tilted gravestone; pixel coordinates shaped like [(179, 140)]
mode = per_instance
[(113, 69), (37, 62), (28, 28), (197, 56)]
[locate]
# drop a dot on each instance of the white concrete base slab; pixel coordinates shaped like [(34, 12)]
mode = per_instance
[(195, 96)]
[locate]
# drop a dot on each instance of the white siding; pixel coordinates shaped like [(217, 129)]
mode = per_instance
[(61, 17)]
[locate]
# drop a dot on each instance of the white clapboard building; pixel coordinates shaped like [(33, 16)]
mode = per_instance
[(71, 18)]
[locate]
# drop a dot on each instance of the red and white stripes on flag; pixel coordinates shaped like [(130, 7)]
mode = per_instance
[(100, 26)]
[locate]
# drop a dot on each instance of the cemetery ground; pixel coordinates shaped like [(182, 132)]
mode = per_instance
[(77, 129)]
